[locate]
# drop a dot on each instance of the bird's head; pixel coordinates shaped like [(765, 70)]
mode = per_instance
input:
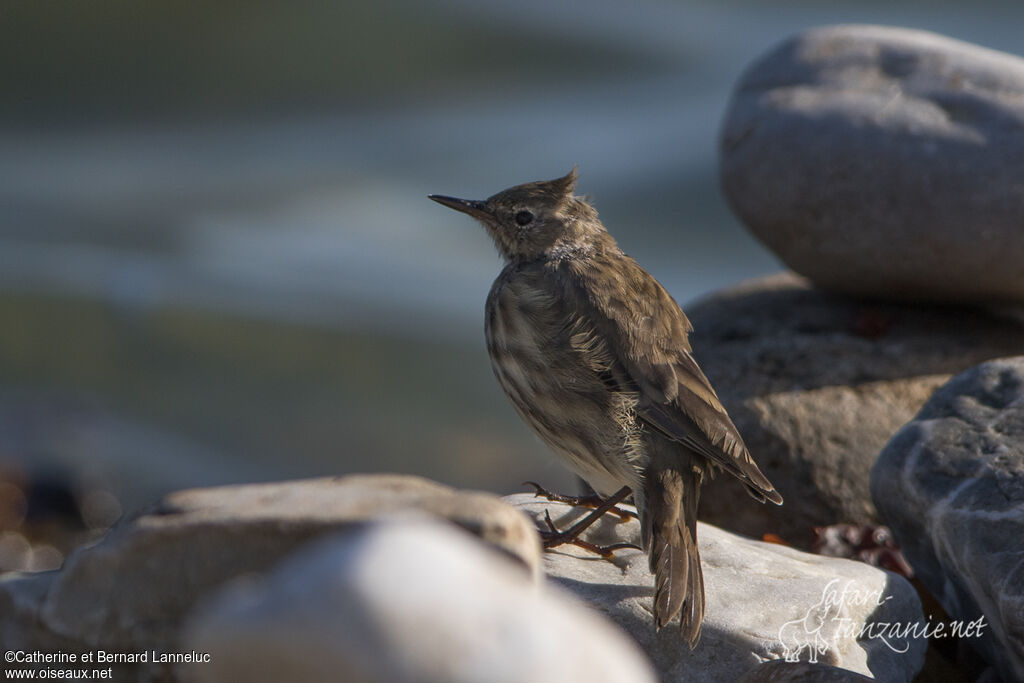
[(533, 220)]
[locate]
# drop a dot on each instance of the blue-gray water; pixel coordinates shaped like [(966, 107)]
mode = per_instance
[(229, 247)]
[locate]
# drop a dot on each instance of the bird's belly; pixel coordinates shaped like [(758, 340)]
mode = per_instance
[(567, 406), (569, 423)]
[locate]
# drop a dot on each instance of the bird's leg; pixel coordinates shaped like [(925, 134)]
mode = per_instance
[(553, 538), (550, 538), (591, 501)]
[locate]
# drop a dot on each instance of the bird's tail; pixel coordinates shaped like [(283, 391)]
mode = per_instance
[(669, 527)]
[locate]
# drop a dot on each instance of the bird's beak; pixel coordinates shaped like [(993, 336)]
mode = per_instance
[(474, 208)]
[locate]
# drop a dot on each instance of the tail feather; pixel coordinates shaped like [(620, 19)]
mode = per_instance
[(669, 532)]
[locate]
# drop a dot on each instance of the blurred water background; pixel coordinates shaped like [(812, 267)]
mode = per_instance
[(217, 261)]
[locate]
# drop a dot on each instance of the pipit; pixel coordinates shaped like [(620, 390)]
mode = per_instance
[(595, 356)]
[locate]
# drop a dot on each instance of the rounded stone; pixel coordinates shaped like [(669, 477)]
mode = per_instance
[(883, 161), (763, 602), (817, 384), (132, 588), (406, 600)]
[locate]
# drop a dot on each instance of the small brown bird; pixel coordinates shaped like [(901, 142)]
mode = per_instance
[(594, 355)]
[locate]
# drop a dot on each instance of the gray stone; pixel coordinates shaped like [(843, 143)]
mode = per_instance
[(21, 596), (817, 383), (764, 602), (951, 486), (132, 588), (781, 671), (883, 161), (406, 601)]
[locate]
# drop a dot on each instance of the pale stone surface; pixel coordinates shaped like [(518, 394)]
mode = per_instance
[(408, 600), (951, 486), (763, 602), (883, 161), (818, 383), (134, 586)]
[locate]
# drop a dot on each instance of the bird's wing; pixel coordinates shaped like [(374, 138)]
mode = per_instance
[(647, 334)]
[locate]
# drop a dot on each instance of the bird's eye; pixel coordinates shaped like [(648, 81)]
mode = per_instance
[(524, 217)]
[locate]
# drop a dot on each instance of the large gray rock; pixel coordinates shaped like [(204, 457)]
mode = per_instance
[(951, 486), (406, 601), (764, 602), (883, 161), (132, 589), (817, 384)]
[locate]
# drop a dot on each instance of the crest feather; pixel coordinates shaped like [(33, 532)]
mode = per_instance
[(565, 185)]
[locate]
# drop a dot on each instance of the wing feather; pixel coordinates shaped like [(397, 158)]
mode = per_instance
[(648, 337)]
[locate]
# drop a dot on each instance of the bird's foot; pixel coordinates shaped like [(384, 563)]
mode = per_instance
[(551, 537), (591, 501)]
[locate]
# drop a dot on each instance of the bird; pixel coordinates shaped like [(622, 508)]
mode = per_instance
[(594, 355)]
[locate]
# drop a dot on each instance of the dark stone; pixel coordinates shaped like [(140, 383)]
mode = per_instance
[(817, 383), (951, 486)]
